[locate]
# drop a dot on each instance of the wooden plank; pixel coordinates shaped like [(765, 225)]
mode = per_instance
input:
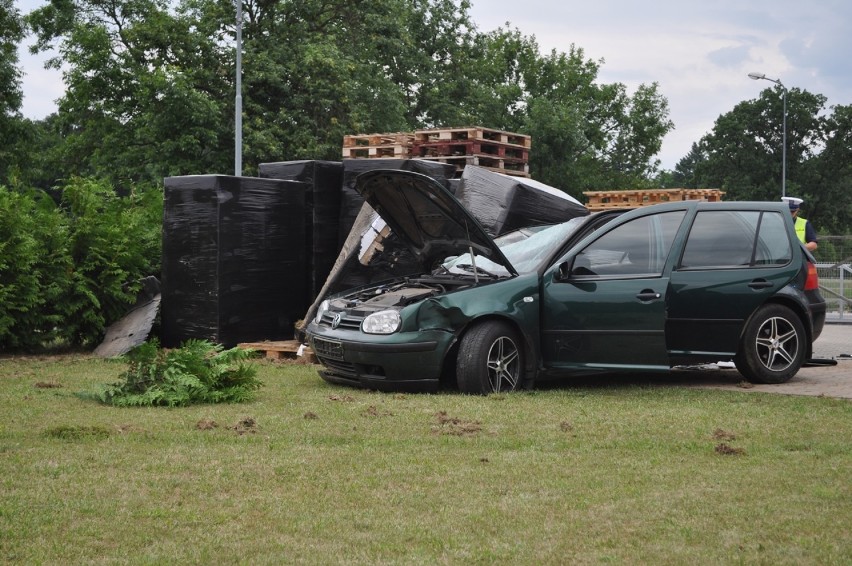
[(278, 350), (376, 152), (367, 140)]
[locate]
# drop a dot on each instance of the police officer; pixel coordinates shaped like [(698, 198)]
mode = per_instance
[(804, 229)]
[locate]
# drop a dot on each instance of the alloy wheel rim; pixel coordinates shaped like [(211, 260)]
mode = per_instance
[(777, 344), (503, 365)]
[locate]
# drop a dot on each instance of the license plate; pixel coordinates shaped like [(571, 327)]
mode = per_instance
[(328, 348)]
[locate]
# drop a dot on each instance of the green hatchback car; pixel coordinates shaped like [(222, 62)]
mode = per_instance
[(644, 290)]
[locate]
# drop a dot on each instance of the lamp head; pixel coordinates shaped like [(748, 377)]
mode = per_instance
[(757, 76)]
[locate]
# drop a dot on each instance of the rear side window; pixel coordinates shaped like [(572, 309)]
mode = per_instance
[(773, 243), (733, 238)]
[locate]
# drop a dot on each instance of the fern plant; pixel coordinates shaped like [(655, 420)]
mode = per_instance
[(197, 372)]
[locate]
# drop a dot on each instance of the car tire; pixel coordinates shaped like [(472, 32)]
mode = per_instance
[(773, 347), (490, 359)]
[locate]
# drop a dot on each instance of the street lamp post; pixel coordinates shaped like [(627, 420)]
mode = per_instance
[(757, 77), (238, 102)]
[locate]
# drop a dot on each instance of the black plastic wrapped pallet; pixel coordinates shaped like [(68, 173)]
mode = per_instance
[(502, 203), (324, 180), (231, 247)]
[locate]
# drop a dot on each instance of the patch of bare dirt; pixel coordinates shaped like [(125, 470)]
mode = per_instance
[(206, 424), (341, 398), (727, 450), (373, 411), (720, 434), (455, 426), (246, 425)]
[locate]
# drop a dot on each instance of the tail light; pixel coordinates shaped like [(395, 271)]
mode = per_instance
[(812, 282)]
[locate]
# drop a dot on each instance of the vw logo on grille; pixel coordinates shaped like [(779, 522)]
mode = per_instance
[(335, 322)]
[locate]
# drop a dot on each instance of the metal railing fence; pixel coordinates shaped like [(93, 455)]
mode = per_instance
[(834, 267)]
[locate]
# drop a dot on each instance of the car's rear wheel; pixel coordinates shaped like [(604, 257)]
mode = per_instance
[(773, 346), (490, 359)]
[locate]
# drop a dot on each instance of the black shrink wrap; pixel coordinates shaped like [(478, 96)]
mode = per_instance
[(502, 203), (233, 259), (324, 181)]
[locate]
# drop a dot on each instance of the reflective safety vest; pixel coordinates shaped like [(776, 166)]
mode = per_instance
[(801, 223)]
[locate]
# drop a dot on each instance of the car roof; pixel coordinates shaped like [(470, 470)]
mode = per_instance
[(707, 205)]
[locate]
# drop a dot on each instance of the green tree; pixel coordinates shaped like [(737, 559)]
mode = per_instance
[(826, 177), (744, 149), (684, 174), (743, 155), (12, 126), (586, 135), (142, 100), (151, 89)]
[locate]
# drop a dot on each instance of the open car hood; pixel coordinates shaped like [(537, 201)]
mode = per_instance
[(425, 216)]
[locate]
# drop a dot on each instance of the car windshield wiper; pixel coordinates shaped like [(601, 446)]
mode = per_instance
[(477, 270)]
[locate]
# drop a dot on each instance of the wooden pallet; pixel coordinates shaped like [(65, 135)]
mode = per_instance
[(396, 145), (473, 133), (278, 350), (368, 140), (603, 200), (377, 152), (505, 166), (468, 147)]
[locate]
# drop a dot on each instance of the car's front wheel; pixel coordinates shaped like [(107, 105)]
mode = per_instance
[(773, 346), (490, 359)]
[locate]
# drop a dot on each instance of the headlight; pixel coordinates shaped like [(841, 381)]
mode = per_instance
[(384, 322), (321, 311)]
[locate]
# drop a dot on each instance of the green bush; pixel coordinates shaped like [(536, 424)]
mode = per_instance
[(113, 243), (70, 269), (198, 372), (34, 263)]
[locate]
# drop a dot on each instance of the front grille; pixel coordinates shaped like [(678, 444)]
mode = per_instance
[(327, 349), (347, 321)]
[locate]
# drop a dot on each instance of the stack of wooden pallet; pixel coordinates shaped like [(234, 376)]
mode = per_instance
[(394, 146), (602, 200), (500, 151)]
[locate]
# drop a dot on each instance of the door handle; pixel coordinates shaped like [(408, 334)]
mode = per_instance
[(760, 284), (648, 295)]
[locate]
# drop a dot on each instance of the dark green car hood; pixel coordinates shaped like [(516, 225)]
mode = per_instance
[(426, 217)]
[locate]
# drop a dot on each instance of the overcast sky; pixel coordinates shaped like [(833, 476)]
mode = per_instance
[(699, 52)]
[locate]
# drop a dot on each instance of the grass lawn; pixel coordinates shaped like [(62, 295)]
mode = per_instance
[(312, 473)]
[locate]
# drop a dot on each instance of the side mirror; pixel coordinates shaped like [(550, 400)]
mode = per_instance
[(578, 265), (564, 272)]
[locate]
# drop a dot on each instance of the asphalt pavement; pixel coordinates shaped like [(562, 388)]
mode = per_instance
[(831, 380)]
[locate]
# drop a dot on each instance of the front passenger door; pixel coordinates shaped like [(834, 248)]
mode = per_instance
[(610, 312)]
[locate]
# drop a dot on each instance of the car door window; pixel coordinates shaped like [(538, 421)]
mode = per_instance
[(735, 238), (638, 247)]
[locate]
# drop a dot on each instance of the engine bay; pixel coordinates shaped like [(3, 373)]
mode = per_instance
[(402, 292)]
